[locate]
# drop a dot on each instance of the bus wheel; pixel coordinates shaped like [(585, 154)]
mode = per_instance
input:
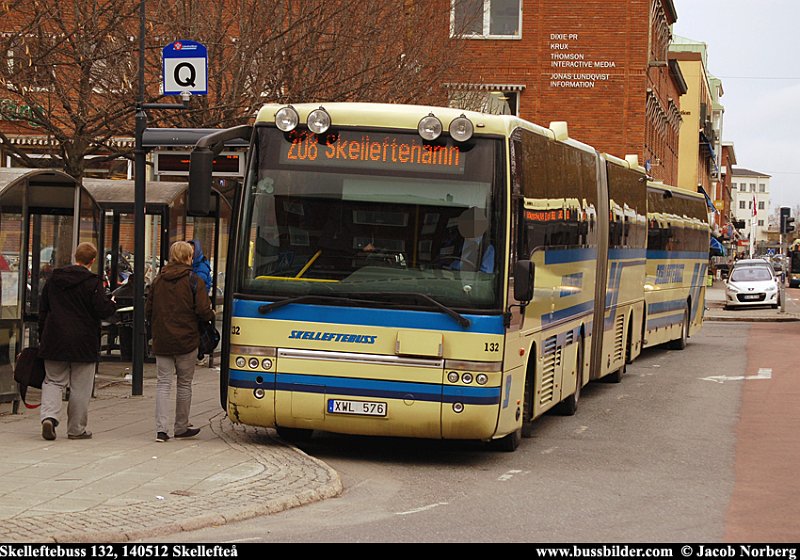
[(569, 406), (293, 435), (527, 405), (680, 343), (616, 376), (507, 443)]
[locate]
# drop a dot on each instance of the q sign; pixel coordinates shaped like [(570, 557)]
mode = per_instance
[(185, 68)]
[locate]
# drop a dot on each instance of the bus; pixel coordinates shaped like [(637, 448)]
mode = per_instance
[(793, 262), (428, 272)]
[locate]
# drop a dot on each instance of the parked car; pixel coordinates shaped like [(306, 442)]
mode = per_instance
[(752, 284)]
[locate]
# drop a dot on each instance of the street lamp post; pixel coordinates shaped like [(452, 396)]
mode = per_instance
[(140, 169)]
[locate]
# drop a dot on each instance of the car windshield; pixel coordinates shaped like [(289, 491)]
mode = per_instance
[(751, 274)]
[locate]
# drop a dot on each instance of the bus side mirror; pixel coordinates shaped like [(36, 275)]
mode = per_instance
[(523, 281), (200, 169)]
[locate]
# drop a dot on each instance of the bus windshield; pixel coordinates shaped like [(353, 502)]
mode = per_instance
[(372, 216)]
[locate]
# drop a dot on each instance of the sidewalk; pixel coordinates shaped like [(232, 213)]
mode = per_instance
[(715, 308), (122, 485)]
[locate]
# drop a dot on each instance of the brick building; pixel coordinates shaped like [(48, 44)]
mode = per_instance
[(603, 67)]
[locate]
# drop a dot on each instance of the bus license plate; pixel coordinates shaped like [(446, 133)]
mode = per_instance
[(362, 408)]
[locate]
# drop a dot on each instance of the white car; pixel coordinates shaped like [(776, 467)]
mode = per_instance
[(752, 285)]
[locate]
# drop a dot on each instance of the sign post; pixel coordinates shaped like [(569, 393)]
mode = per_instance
[(184, 67)]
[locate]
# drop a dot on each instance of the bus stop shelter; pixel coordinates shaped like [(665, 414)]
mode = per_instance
[(44, 215), (166, 221)]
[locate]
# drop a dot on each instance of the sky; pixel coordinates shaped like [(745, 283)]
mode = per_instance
[(753, 47)]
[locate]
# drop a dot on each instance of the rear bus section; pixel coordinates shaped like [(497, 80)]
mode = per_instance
[(677, 264)]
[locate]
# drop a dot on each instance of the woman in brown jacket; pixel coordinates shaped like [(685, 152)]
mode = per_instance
[(177, 300)]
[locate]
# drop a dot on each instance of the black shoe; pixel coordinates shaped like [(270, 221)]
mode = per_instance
[(85, 435), (190, 432), (161, 437), (49, 429)]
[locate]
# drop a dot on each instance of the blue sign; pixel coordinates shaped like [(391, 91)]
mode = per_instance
[(185, 68)]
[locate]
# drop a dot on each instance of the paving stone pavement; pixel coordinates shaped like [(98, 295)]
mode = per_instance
[(122, 485)]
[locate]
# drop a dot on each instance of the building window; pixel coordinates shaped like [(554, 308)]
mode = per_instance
[(761, 223), (742, 205), (490, 101), (761, 205), (752, 187), (762, 188), (486, 18)]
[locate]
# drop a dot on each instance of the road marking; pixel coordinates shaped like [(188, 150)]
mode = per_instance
[(421, 509), (581, 429), (763, 373), (508, 475)]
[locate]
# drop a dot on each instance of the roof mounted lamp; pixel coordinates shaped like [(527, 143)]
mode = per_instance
[(430, 127), (319, 121), (461, 129), (286, 119)]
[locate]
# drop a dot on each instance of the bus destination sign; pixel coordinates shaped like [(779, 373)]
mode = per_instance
[(361, 150)]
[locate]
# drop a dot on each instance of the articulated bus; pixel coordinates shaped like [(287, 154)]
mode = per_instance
[(435, 273)]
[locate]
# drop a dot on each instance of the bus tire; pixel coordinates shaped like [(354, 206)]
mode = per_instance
[(294, 435), (527, 402), (616, 376), (680, 343), (569, 406), (507, 443)]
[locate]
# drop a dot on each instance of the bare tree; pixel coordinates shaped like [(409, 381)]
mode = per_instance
[(72, 71), (70, 65)]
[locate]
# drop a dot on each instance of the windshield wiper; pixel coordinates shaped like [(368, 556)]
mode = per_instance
[(267, 307), (460, 319)]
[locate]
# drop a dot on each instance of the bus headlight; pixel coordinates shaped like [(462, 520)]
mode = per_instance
[(266, 363), (430, 127), (481, 378), (258, 393), (319, 121), (466, 378), (286, 118), (461, 129), (458, 407), (254, 363), (452, 377), (240, 362)]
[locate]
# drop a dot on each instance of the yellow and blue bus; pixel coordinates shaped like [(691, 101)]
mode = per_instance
[(427, 272)]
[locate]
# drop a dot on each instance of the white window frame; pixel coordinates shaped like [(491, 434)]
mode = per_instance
[(487, 4)]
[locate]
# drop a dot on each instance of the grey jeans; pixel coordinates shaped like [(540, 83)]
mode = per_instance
[(181, 365), (79, 377)]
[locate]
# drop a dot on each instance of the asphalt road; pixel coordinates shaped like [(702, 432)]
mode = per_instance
[(652, 459)]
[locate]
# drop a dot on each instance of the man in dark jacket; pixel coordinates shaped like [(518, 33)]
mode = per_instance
[(177, 300), (72, 305)]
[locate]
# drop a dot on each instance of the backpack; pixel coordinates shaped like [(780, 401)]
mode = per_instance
[(209, 335)]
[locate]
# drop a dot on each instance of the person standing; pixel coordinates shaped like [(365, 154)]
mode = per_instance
[(200, 264), (177, 300), (72, 305)]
